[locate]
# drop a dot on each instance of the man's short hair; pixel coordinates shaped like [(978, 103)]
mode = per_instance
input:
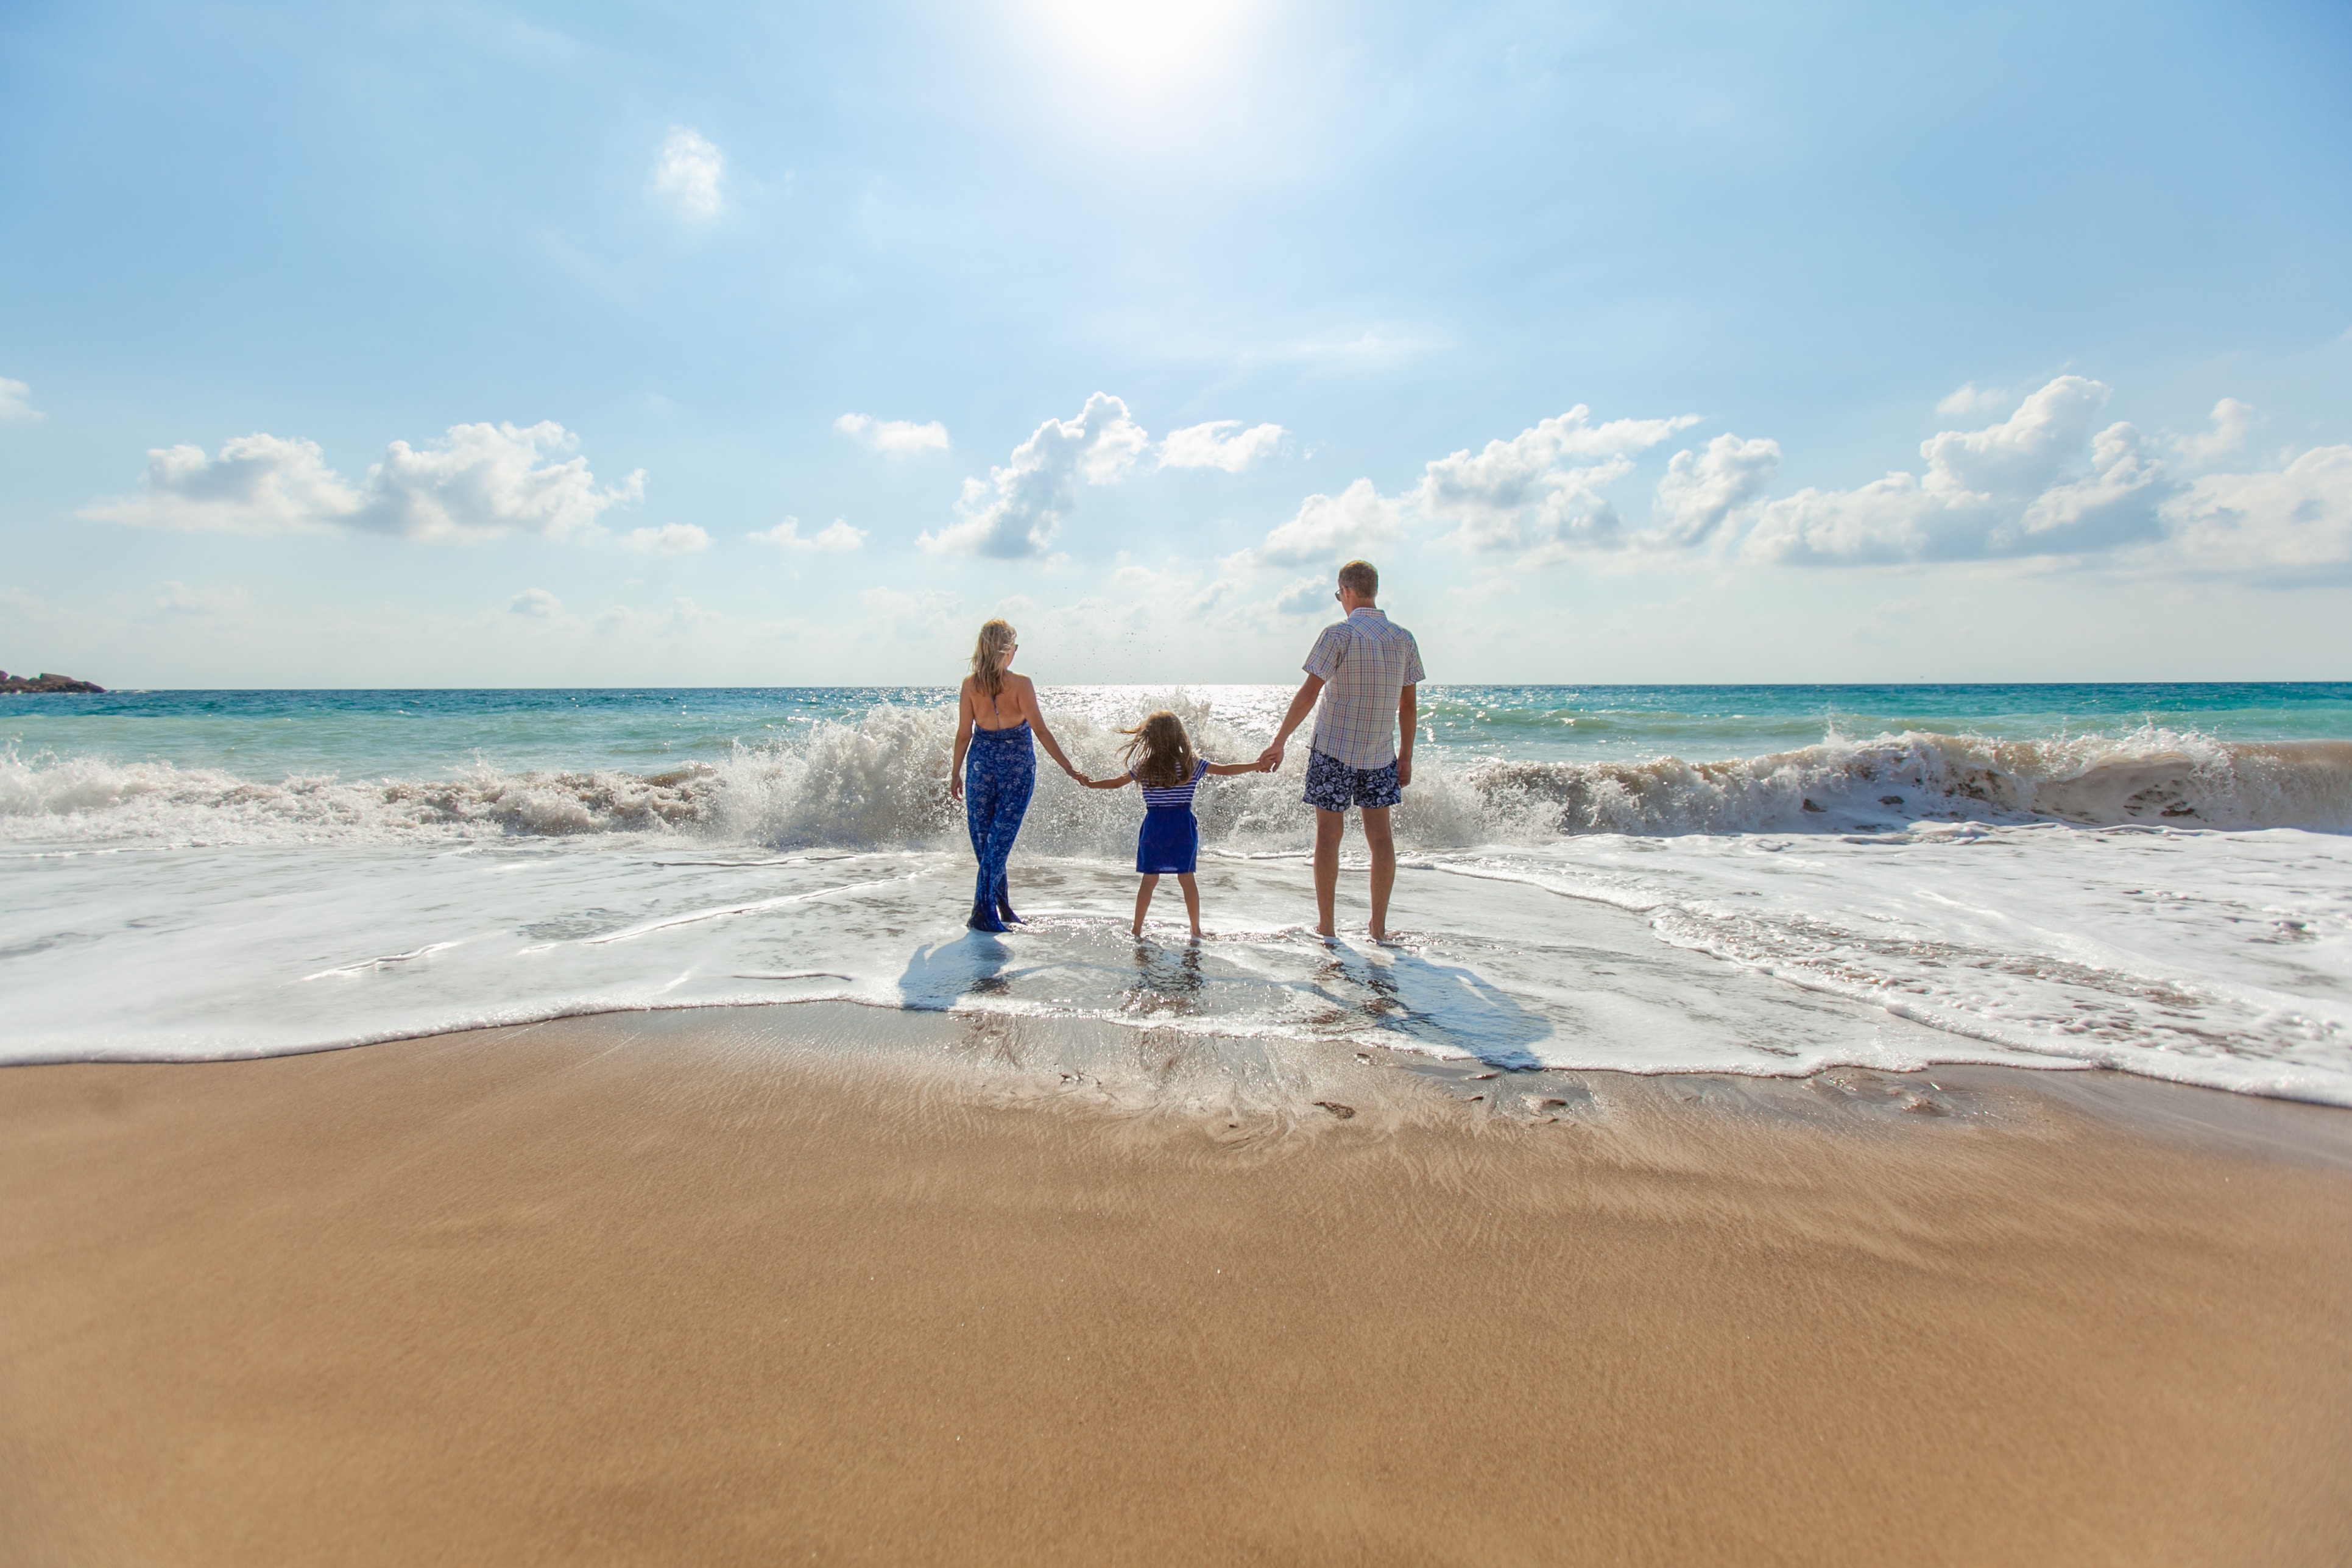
[(1361, 578)]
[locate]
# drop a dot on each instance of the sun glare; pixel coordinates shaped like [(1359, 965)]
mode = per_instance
[(1144, 43)]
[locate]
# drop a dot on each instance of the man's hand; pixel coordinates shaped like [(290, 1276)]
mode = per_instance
[(1404, 770), (1269, 760)]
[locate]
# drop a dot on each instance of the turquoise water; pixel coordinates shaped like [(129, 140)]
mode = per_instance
[(268, 736)]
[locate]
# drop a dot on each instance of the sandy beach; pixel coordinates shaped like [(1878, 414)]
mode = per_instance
[(684, 1289)]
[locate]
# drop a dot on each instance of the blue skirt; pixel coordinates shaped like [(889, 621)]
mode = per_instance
[(1170, 842)]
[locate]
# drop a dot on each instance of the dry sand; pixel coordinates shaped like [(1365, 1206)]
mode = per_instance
[(616, 1291)]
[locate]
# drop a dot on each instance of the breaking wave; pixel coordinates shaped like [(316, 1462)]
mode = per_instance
[(881, 780)]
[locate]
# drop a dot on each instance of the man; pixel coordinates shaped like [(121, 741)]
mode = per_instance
[(1365, 669)]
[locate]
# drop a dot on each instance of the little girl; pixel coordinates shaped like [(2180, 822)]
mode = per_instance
[(1170, 839)]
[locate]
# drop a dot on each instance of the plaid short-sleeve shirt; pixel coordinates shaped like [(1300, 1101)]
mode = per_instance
[(1366, 663)]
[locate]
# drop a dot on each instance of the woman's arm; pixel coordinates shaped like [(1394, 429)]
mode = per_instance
[(963, 740), (1037, 725)]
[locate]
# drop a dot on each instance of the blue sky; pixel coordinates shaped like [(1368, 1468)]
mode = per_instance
[(458, 344)]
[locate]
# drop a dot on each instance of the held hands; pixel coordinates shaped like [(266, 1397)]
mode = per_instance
[(1269, 760)]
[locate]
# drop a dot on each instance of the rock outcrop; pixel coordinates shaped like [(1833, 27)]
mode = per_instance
[(44, 682)]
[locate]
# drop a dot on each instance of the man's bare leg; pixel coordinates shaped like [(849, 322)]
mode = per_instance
[(1383, 848), (1329, 826)]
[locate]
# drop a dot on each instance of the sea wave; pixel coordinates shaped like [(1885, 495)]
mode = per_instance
[(881, 780)]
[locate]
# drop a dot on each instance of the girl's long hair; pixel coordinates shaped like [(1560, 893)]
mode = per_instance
[(988, 655), (1162, 753)]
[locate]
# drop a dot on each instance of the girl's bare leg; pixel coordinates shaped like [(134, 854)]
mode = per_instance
[(1191, 900), (1143, 901)]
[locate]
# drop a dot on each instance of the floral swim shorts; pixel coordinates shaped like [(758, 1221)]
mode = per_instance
[(1333, 785)]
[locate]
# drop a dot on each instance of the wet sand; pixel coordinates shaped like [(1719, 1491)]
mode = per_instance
[(651, 1291)]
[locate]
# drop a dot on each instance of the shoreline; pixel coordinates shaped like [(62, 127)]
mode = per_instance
[(693, 1287)]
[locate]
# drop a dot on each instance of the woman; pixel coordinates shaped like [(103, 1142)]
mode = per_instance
[(994, 718)]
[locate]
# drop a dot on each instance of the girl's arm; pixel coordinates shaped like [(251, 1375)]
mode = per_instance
[(1225, 770), (1122, 781), (1037, 725), (963, 739)]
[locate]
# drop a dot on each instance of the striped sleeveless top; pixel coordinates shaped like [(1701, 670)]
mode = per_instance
[(1160, 799)]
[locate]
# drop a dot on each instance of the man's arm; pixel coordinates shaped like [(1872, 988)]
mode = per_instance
[(1408, 721), (1300, 706)]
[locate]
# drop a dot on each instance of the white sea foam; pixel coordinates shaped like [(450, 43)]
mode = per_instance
[(881, 781), (1898, 901)]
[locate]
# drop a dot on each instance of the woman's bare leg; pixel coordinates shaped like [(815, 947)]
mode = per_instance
[(1143, 901), (1191, 900)]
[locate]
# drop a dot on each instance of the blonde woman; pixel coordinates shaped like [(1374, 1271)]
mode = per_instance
[(994, 719)]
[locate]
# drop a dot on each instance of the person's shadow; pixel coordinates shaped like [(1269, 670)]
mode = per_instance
[(1438, 1004), (972, 964)]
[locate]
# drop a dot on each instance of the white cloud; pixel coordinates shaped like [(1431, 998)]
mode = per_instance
[(1531, 491), (1303, 597), (258, 484), (1216, 445), (836, 535), (1998, 491), (669, 539), (536, 603), (2298, 517), (16, 401), (1331, 528), (1700, 492), (477, 481), (2231, 420), (691, 173), (1021, 505), (894, 437), (1971, 401)]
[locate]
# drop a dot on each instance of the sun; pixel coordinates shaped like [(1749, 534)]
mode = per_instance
[(1143, 44)]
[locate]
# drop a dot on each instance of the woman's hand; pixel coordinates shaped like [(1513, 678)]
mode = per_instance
[(955, 786)]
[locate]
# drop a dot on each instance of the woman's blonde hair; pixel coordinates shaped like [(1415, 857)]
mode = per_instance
[(989, 654), (1166, 750)]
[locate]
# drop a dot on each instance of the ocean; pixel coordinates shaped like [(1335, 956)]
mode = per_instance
[(1745, 879)]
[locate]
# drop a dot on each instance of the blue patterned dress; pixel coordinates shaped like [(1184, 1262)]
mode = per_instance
[(999, 773)]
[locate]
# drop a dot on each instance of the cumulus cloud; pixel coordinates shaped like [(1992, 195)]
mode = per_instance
[(2230, 422), (1542, 487), (691, 173), (894, 437), (2003, 490), (536, 603), (1220, 444), (1331, 528), (16, 401), (1971, 401), (1702, 490), (836, 535), (1304, 597), (669, 539), (2296, 518), (476, 482), (1020, 507)]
